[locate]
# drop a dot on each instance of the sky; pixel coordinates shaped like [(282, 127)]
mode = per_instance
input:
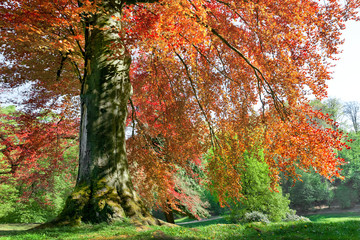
[(345, 84)]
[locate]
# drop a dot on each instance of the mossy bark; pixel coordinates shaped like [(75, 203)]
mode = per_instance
[(104, 191)]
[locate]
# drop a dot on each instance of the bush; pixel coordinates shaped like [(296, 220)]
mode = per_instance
[(256, 216), (347, 193), (258, 195), (236, 215), (8, 197), (28, 212), (291, 216), (270, 202)]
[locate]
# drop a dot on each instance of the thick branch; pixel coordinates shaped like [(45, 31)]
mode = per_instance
[(62, 61)]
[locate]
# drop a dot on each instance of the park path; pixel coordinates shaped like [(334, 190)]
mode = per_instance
[(320, 210), (332, 209), (201, 220)]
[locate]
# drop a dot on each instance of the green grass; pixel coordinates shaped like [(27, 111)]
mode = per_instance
[(339, 217), (323, 227)]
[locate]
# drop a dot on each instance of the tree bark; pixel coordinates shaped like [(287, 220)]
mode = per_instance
[(104, 191), (169, 216)]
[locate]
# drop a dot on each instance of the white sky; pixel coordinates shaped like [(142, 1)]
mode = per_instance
[(346, 82)]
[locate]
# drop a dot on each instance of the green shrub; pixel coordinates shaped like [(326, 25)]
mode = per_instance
[(256, 216), (347, 193), (291, 216), (8, 196), (237, 213), (258, 195)]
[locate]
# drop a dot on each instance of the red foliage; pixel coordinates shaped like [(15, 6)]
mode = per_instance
[(32, 148)]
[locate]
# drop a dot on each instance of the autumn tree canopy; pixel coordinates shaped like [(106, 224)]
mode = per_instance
[(231, 75)]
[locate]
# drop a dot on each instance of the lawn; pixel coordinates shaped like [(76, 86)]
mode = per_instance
[(325, 226)]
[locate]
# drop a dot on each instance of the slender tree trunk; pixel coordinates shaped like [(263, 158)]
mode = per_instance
[(169, 215), (104, 191)]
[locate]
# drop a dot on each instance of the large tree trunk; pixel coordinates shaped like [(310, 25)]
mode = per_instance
[(104, 191)]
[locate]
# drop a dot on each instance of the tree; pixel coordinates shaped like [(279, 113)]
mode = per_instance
[(313, 190), (332, 107), (32, 147), (35, 174), (351, 109), (258, 195), (203, 65), (347, 191)]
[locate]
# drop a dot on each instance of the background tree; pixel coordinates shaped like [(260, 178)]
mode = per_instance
[(331, 107), (257, 192), (205, 64), (36, 174), (312, 191), (347, 191), (351, 110), (33, 146)]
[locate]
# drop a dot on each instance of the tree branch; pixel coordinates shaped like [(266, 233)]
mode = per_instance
[(62, 61), (212, 133), (262, 81)]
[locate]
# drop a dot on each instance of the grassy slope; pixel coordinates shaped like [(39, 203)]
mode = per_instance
[(330, 226)]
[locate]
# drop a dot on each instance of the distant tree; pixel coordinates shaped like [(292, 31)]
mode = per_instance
[(331, 107), (312, 190), (351, 110), (347, 192)]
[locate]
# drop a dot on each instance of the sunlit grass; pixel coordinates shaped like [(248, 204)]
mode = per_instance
[(323, 227), (340, 217)]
